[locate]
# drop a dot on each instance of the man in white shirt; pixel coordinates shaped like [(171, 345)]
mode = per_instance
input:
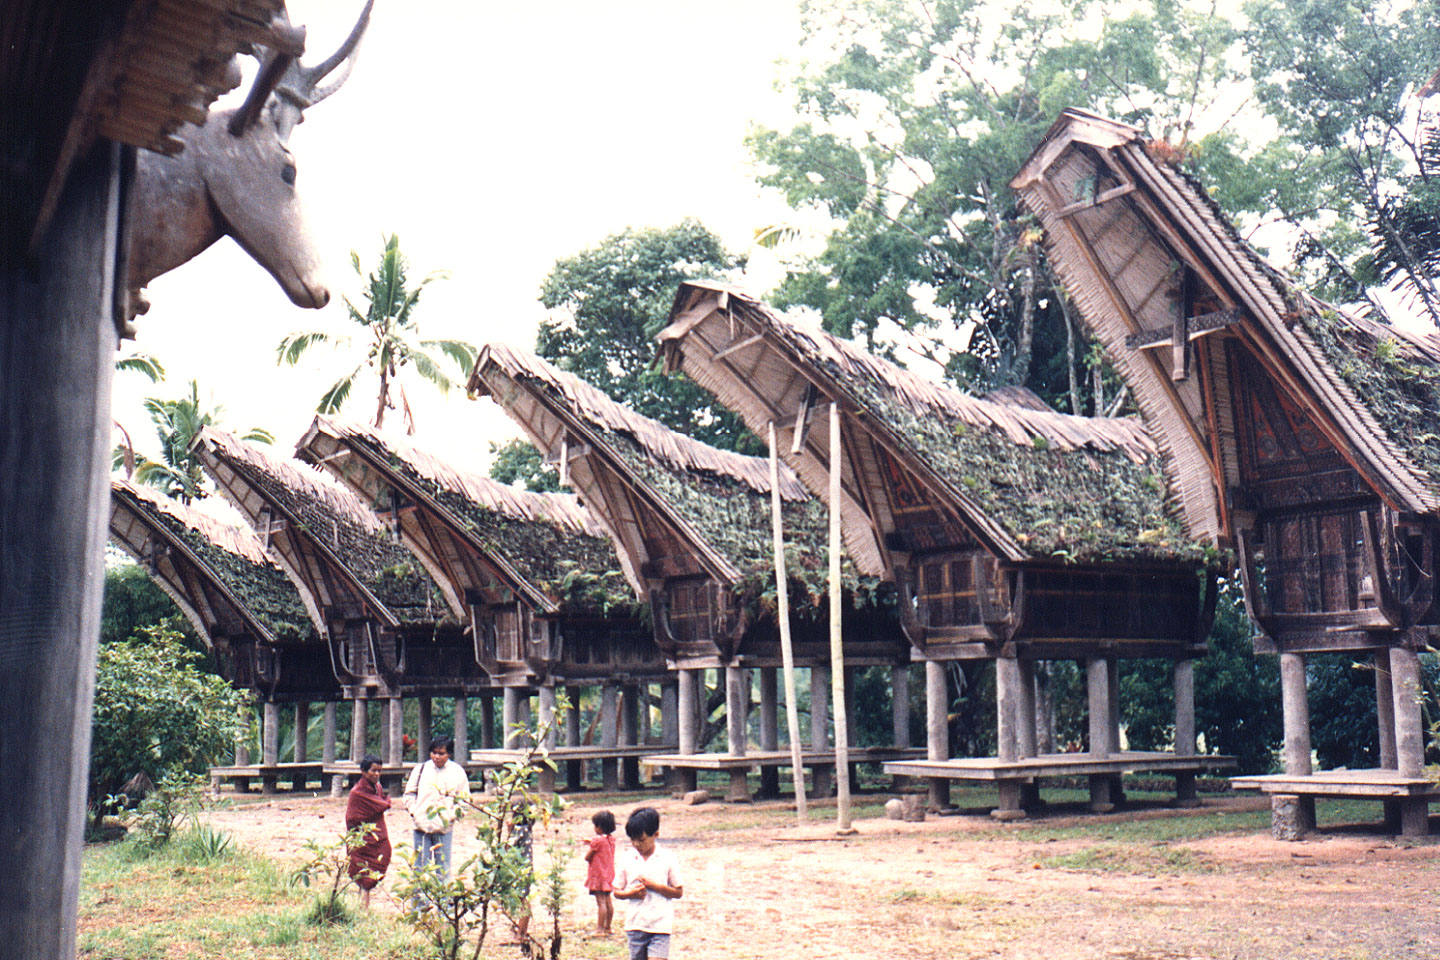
[(648, 878), (436, 795)]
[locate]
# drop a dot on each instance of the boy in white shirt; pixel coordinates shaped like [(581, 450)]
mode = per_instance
[(648, 877), (436, 795)]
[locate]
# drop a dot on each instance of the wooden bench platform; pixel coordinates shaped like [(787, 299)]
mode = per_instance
[(342, 774), (269, 775), (611, 758), (822, 762), (1407, 799), (1014, 776)]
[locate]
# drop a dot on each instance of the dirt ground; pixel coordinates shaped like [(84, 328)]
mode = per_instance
[(1061, 885)]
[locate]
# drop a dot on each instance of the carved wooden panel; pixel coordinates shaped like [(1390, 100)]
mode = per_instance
[(1077, 603), (947, 593), (920, 524), (1285, 461), (694, 610)]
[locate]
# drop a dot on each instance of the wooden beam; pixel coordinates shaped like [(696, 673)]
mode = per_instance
[(1194, 328), (1070, 209)]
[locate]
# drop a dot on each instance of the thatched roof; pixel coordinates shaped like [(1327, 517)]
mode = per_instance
[(232, 557), (341, 529), (548, 542), (1118, 245), (1032, 483), (716, 501)]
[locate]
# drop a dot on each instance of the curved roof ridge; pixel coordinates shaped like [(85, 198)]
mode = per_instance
[(239, 541), (676, 449), (1021, 425), (293, 474), (561, 509)]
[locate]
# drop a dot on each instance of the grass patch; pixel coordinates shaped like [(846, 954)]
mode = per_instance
[(166, 903), (1155, 859)]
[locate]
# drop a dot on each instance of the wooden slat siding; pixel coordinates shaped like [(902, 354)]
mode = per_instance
[(319, 569), (1389, 467), (1189, 453)]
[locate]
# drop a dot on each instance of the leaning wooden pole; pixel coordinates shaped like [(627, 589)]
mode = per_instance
[(782, 613), (837, 650)]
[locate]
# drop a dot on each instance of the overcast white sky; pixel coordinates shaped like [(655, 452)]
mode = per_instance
[(494, 138)]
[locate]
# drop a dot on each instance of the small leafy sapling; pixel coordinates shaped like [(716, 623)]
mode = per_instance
[(330, 862)]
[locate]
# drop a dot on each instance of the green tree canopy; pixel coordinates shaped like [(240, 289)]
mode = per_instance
[(517, 461), (391, 340), (156, 713), (607, 304), (912, 117)]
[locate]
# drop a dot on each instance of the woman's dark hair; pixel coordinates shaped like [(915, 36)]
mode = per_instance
[(645, 821), (604, 821), (370, 761), (442, 740)]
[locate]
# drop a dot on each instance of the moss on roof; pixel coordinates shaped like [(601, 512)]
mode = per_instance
[(367, 548), (264, 589), (579, 571), (734, 520), (1079, 505)]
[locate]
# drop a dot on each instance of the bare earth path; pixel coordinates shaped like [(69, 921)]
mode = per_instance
[(1150, 884)]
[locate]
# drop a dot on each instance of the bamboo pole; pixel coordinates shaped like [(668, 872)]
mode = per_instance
[(837, 651), (782, 612)]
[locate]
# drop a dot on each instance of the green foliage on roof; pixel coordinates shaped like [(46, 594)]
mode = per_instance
[(734, 520), (373, 554), (263, 588), (578, 571), (1393, 377), (1079, 505)]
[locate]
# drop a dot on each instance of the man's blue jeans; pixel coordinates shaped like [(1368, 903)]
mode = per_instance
[(433, 848)]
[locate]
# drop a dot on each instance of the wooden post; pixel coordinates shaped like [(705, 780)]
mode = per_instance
[(1385, 709), (327, 746), (395, 730), (424, 728), (1097, 690), (630, 735), (820, 729), (359, 724), (546, 776), (302, 732), (574, 769), (1185, 741), (669, 714), (737, 708), (242, 736), (1025, 708), (782, 615), (487, 721), (269, 743), (1297, 813), (688, 695), (900, 704), (609, 734), (510, 717), (462, 729), (769, 729), (837, 649), (937, 729), (1409, 736), (57, 355), (1007, 708)]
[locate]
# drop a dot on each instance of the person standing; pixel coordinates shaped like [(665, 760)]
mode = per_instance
[(436, 795), (367, 806), (600, 875), (648, 877)]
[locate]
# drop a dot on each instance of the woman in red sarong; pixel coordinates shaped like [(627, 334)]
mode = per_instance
[(367, 805)]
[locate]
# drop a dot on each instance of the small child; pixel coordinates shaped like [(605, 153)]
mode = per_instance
[(649, 876), (599, 879)]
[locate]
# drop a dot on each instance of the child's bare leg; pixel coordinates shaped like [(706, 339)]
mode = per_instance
[(607, 911)]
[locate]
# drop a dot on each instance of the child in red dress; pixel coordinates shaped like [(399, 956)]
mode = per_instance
[(600, 855)]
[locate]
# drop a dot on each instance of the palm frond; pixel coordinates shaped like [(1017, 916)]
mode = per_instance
[(458, 350), (143, 364), (259, 435), (426, 366), (293, 347), (338, 393)]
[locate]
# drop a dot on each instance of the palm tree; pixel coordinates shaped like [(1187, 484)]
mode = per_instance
[(178, 422), (391, 339)]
